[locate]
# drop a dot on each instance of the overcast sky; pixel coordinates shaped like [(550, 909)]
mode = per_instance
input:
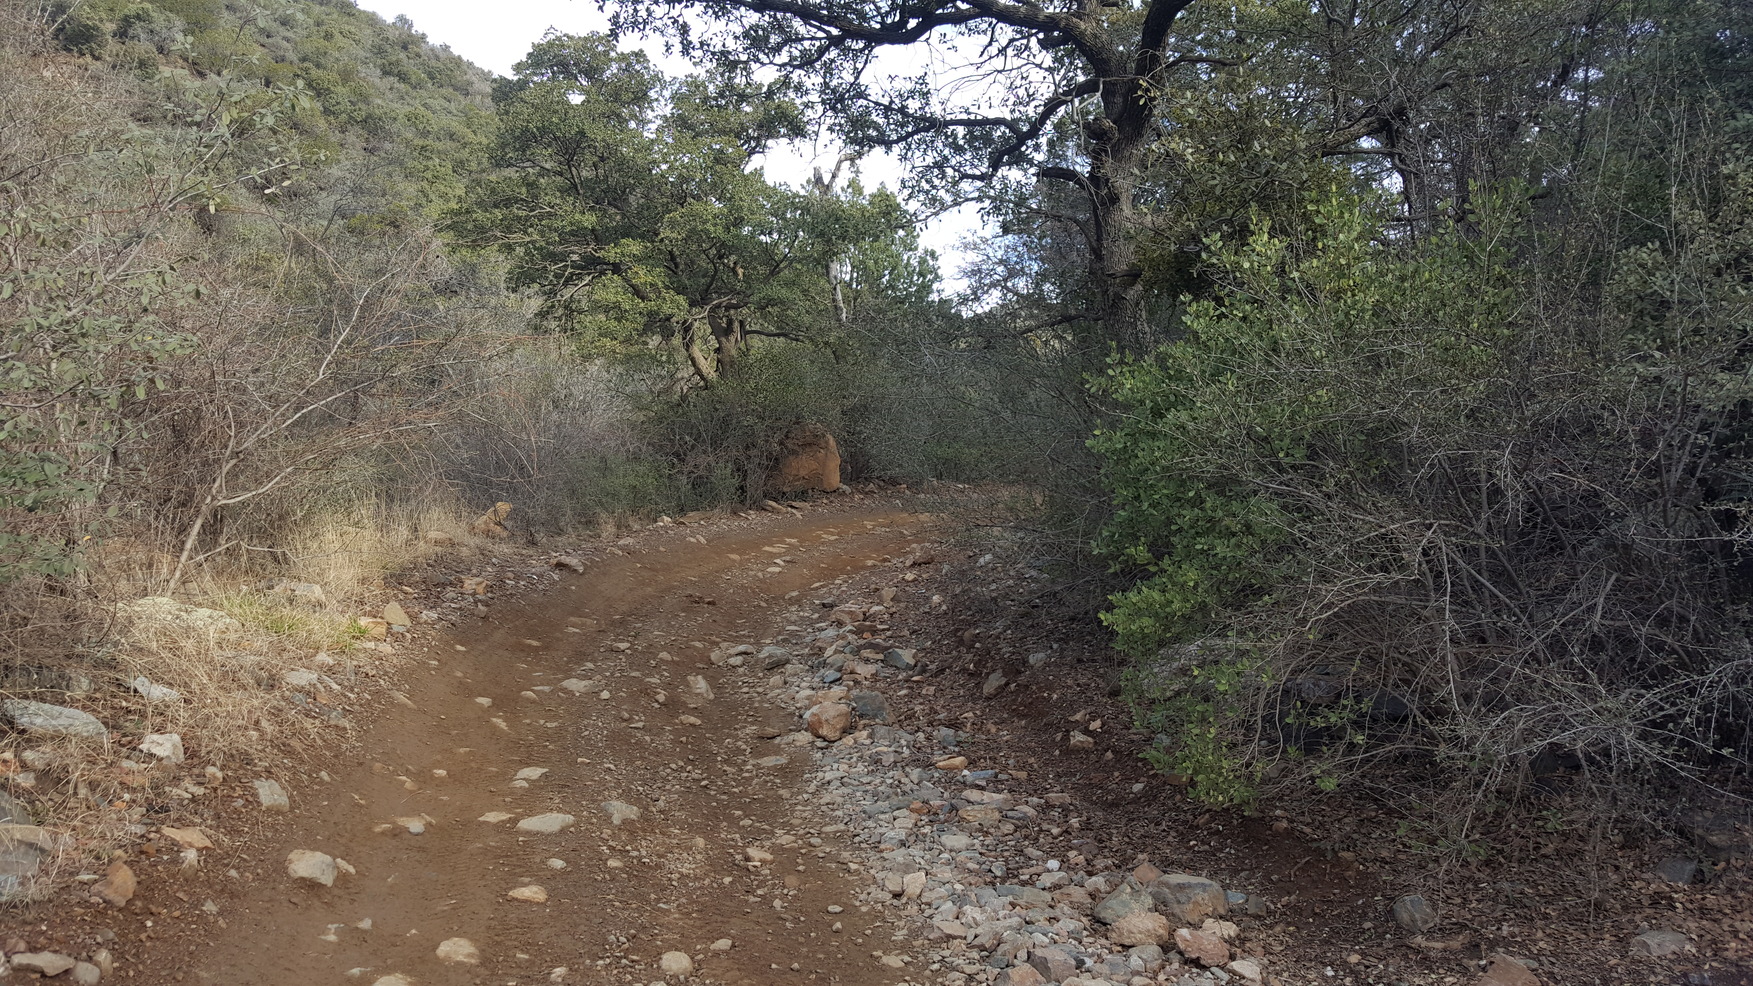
[(496, 35)]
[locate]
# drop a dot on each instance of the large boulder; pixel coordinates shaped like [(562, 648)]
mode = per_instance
[(809, 459)]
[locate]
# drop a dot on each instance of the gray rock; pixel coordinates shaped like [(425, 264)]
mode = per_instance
[(1129, 898), (1414, 913), (161, 609), (272, 795), (870, 705), (308, 864), (1660, 943), (301, 679), (46, 963), (549, 823), (1189, 899), (165, 746), (85, 974), (994, 684), (52, 720), (13, 811), (774, 657), (1054, 963), (620, 811), (1677, 870), (901, 658), (23, 850), (154, 692)]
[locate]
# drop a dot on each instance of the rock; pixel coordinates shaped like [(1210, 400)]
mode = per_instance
[(189, 838), (568, 562), (531, 894), (700, 688), (85, 974), (492, 523), (952, 763), (308, 864), (994, 684), (1079, 741), (675, 964), (809, 459), (530, 774), (578, 685), (1189, 899), (1248, 970), (165, 746), (161, 609), (52, 720), (458, 951), (1502, 970), (395, 615), (870, 705), (153, 692), (1142, 928), (547, 824), (117, 886), (1202, 947), (23, 849), (372, 628), (308, 593), (1414, 913), (272, 795), (774, 657), (1677, 870), (1020, 975), (760, 857), (393, 980), (46, 963), (829, 720), (901, 658), (721, 945), (847, 615), (1128, 898), (912, 885), (1054, 963), (302, 680), (495, 817), (620, 811), (1660, 943)]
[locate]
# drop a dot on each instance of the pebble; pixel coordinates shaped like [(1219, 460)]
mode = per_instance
[(52, 720), (531, 774), (532, 894), (1660, 943), (495, 817), (676, 964)]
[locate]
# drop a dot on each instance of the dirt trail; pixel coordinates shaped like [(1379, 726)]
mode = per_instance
[(676, 879)]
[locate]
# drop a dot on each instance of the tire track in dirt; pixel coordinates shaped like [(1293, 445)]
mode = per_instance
[(679, 878)]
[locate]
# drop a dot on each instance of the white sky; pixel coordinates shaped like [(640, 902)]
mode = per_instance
[(497, 35)]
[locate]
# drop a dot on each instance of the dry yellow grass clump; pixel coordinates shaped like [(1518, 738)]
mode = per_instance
[(255, 660)]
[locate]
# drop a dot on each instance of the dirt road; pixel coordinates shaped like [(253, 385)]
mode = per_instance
[(589, 685)]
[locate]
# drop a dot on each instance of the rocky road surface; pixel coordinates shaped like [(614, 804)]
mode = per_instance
[(578, 793)]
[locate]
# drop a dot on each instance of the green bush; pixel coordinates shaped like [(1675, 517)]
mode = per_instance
[(1472, 504)]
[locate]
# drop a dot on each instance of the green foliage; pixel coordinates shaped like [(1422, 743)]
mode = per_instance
[(632, 205)]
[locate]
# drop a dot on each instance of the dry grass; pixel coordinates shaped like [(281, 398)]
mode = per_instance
[(236, 707)]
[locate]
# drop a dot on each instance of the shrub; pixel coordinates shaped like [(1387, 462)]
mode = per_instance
[(1475, 504)]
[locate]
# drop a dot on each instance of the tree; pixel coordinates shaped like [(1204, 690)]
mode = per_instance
[(1069, 95), (631, 204)]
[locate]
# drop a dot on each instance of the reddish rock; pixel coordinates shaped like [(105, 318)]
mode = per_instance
[(1143, 928), (1202, 947), (117, 885), (1501, 970), (809, 459), (830, 720)]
